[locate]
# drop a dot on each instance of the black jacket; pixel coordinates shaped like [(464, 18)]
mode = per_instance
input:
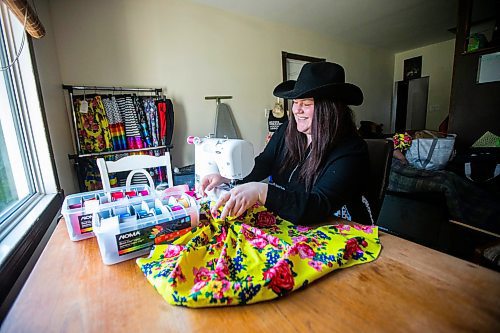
[(341, 182)]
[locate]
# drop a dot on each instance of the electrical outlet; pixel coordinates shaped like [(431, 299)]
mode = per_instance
[(434, 108)]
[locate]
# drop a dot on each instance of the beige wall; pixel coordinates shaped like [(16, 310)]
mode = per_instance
[(47, 63), (437, 63), (192, 51)]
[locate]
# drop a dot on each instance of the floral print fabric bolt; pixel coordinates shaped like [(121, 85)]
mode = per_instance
[(254, 258), (93, 127)]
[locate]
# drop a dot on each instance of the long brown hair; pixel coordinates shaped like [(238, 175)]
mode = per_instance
[(332, 121)]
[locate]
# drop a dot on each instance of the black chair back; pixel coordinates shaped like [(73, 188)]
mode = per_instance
[(380, 151)]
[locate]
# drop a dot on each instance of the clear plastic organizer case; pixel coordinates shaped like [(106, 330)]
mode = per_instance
[(130, 230), (78, 209)]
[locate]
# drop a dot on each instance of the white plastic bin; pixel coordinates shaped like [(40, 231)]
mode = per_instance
[(129, 231), (78, 209)]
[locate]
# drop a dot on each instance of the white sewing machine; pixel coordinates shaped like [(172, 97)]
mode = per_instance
[(231, 158)]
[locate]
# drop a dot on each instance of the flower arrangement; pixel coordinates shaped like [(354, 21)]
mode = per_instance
[(401, 141)]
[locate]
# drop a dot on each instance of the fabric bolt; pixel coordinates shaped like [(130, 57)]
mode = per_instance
[(93, 126), (152, 117), (128, 113), (165, 122), (134, 142), (112, 111), (118, 136), (162, 121), (170, 122), (116, 125), (143, 122), (92, 181), (91, 175), (138, 179), (162, 128), (254, 258)]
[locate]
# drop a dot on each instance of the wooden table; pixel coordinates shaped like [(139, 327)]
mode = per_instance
[(408, 288)]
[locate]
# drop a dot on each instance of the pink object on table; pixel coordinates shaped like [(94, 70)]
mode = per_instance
[(131, 194), (117, 195)]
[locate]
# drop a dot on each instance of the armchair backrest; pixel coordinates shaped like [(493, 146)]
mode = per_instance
[(380, 154)]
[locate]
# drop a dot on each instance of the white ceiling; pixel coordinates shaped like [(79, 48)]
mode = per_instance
[(395, 25)]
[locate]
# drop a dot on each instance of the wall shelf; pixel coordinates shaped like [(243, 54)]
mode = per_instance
[(484, 50)]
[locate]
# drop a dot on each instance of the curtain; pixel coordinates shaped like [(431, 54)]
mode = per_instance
[(23, 11)]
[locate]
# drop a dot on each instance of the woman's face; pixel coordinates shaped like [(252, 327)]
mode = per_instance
[(303, 111)]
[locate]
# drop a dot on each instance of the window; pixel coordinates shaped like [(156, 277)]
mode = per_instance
[(26, 168), (13, 190)]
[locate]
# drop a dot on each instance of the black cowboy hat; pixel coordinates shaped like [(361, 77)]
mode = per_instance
[(320, 79)]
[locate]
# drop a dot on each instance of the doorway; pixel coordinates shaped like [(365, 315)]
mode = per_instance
[(411, 104)]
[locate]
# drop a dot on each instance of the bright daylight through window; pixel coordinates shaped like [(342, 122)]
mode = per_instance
[(26, 174)]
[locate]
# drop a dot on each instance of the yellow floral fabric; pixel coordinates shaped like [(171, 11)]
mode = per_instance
[(93, 127), (254, 258)]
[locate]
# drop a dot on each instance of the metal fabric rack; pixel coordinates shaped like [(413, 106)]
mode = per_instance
[(78, 155), (71, 89)]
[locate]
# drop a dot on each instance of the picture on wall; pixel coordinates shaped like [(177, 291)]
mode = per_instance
[(291, 65), (412, 68)]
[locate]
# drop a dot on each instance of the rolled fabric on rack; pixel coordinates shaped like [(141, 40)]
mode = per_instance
[(170, 122), (116, 125), (123, 125), (132, 132), (152, 116)]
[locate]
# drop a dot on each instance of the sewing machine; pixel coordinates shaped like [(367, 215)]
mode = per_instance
[(231, 158)]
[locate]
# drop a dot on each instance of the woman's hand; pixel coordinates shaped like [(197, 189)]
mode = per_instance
[(209, 182), (240, 198), (400, 156)]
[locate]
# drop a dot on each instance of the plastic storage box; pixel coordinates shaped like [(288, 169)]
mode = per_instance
[(130, 230), (78, 209)]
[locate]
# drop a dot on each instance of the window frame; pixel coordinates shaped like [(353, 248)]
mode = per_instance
[(28, 226)]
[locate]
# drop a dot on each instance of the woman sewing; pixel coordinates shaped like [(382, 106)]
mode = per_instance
[(317, 161)]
